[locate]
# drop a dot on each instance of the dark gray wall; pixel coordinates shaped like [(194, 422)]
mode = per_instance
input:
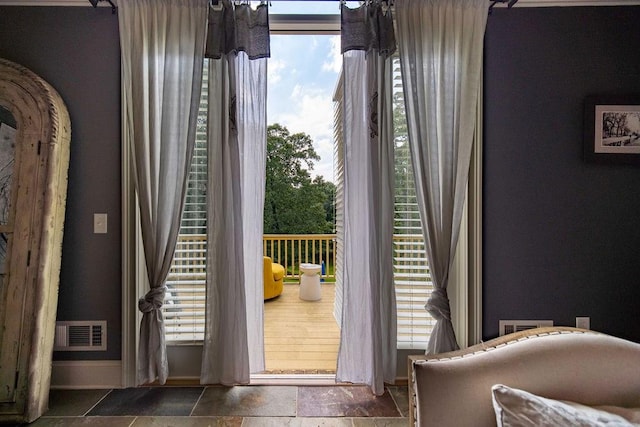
[(560, 235), (76, 50)]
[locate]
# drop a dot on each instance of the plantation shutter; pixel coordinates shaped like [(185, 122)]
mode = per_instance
[(411, 267), (184, 303), (338, 165)]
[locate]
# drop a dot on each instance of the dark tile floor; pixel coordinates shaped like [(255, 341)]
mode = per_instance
[(247, 406)]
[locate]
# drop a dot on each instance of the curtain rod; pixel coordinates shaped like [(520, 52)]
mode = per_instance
[(509, 3)]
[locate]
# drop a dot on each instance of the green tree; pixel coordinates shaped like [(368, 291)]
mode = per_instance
[(406, 210), (329, 190), (294, 203)]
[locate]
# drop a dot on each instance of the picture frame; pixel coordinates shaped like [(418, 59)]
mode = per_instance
[(612, 129)]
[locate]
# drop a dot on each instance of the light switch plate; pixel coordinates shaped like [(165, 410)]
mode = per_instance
[(100, 223)]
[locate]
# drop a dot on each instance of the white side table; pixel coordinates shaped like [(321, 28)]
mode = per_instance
[(310, 282)]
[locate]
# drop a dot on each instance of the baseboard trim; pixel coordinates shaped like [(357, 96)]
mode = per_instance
[(86, 374)]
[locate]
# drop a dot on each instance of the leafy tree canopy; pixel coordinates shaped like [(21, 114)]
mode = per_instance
[(294, 202)]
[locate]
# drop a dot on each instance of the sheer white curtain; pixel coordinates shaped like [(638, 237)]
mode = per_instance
[(162, 45), (238, 43), (368, 332), (440, 44)]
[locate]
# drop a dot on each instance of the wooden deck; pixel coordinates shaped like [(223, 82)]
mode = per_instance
[(301, 336)]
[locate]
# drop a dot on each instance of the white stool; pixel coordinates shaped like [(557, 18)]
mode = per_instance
[(310, 282)]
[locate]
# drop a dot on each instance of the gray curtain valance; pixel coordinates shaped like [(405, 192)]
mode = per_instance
[(369, 27), (236, 28)]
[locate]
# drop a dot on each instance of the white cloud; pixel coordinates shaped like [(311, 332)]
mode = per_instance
[(307, 68), (324, 168), (296, 92), (334, 62), (274, 70), (312, 113)]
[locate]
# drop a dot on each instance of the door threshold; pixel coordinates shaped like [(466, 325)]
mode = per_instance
[(293, 379), (258, 379)]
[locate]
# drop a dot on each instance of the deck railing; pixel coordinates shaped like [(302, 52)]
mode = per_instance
[(290, 250), (184, 307)]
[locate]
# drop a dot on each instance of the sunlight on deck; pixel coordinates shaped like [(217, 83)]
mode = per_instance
[(301, 336)]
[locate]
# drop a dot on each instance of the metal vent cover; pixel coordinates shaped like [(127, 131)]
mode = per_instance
[(82, 335), (511, 326)]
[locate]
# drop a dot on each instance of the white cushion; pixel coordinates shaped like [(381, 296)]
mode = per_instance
[(518, 408)]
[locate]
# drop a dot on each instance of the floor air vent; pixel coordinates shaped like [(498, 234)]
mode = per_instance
[(510, 326), (84, 335)]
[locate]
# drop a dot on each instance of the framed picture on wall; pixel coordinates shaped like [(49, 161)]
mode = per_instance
[(612, 129)]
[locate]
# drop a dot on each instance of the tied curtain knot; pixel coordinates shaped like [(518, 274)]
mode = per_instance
[(152, 300), (438, 305)]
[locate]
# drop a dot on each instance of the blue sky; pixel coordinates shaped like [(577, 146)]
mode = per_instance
[(310, 7), (302, 74)]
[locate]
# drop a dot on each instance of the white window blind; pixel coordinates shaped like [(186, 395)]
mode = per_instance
[(184, 303), (338, 176), (411, 267)]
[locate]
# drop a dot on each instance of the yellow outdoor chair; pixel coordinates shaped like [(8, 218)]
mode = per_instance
[(273, 278)]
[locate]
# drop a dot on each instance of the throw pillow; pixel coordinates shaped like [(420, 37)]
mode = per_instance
[(518, 408)]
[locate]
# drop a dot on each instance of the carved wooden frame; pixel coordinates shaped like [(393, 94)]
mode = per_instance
[(29, 292)]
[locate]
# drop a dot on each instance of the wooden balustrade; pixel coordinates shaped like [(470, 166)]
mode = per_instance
[(290, 250), (287, 249), (185, 299)]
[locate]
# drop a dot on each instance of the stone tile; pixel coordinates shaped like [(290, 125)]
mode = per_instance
[(82, 422), (296, 422), (149, 401), (400, 395), (73, 402), (250, 401), (380, 422), (344, 401), (187, 422)]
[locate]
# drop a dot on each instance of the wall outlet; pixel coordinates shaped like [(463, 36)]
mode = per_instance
[(583, 322)]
